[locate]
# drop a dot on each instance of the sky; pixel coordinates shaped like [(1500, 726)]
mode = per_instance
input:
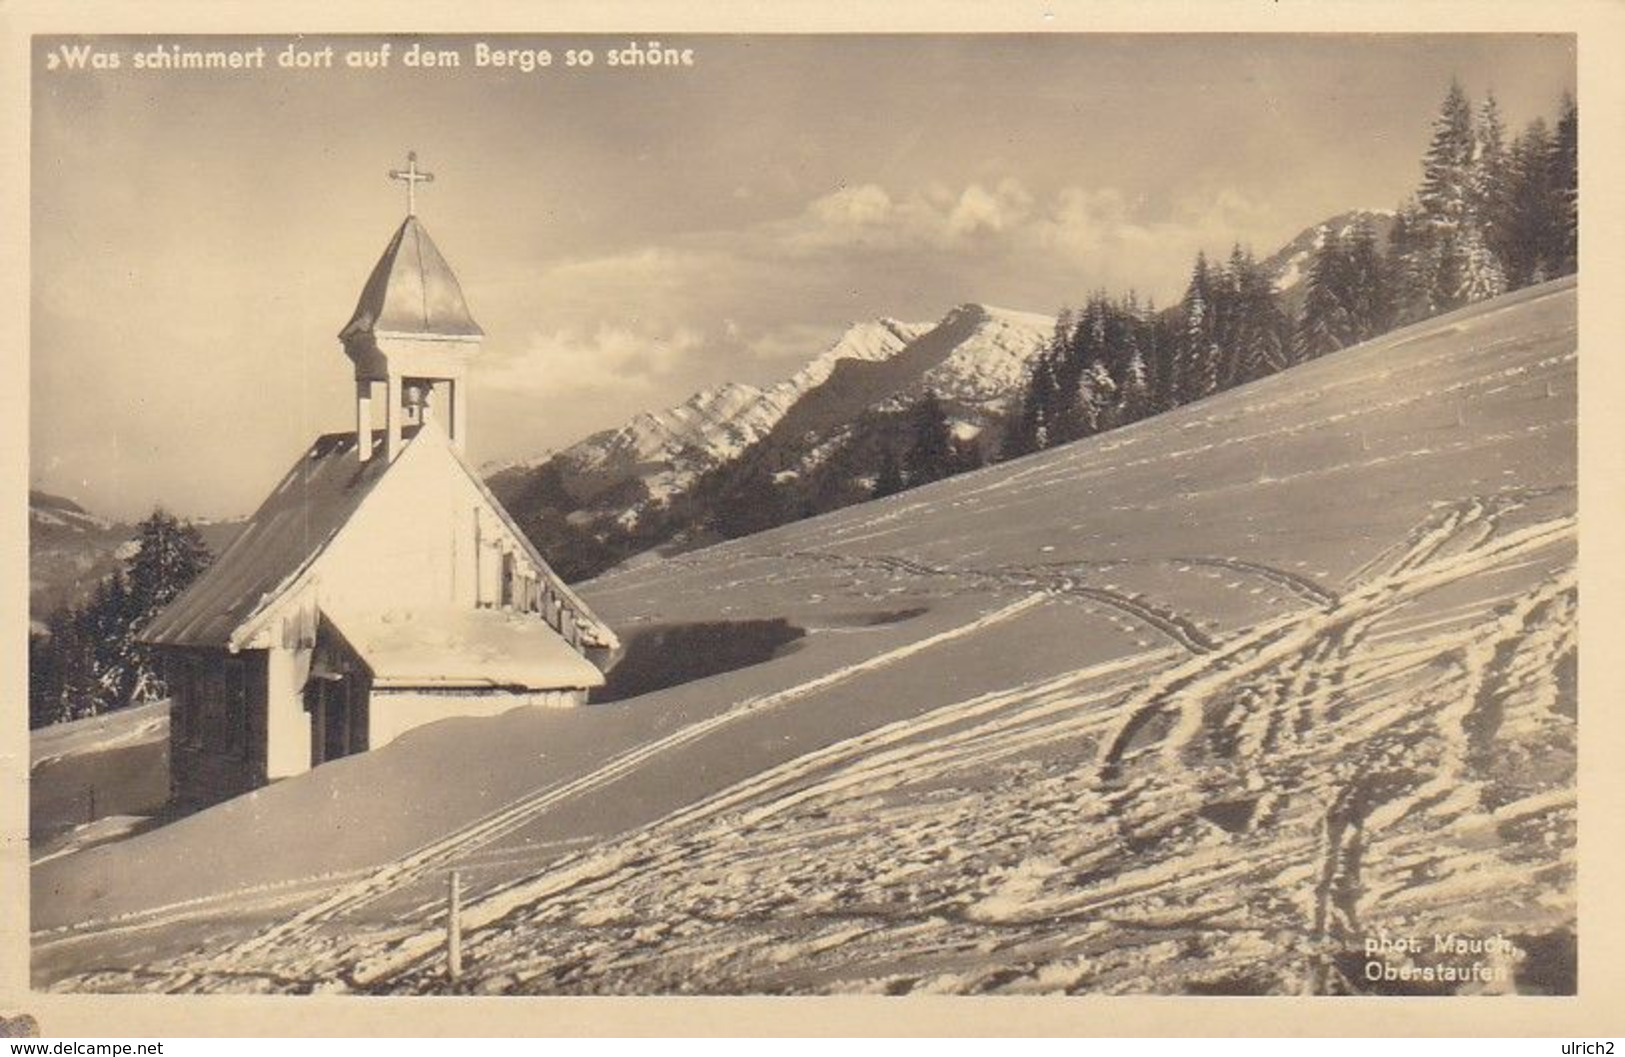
[(628, 236)]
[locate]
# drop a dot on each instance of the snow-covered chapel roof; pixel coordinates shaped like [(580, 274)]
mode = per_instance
[(308, 506), (293, 527)]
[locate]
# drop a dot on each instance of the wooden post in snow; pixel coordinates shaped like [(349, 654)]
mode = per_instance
[(454, 927)]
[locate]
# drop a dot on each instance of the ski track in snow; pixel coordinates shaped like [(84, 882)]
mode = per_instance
[(1261, 705), (463, 842), (1410, 753)]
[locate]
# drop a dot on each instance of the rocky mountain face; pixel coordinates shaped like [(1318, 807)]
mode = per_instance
[(665, 451), (666, 476)]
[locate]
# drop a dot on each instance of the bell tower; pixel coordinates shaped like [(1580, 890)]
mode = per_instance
[(411, 333)]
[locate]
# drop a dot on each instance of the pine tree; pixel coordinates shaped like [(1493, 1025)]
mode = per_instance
[(1535, 241), (1136, 389), (1407, 266), (1368, 297), (1161, 372), (1134, 375), (1565, 189), (77, 693), (1462, 268), (1098, 397), (1492, 180), (931, 453), (169, 556), (1062, 369), (889, 479), (1325, 324), (1230, 321), (1262, 335), (89, 660), (1447, 177), (43, 678), (1197, 364), (1030, 431), (1481, 273)]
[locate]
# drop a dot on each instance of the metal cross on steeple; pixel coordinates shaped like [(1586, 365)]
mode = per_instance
[(411, 176)]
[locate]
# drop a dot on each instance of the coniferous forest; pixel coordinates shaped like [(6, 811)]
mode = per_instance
[(1490, 215)]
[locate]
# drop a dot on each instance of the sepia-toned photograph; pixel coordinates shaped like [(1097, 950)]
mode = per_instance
[(740, 514)]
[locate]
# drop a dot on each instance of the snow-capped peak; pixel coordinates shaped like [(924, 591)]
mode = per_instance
[(879, 339), (718, 423), (991, 363)]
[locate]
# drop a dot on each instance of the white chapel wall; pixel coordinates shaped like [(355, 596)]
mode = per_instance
[(415, 543), (287, 724)]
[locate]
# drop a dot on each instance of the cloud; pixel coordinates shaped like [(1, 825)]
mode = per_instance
[(1003, 208), (745, 302), (871, 217), (792, 343), (1097, 234), (610, 357), (865, 206)]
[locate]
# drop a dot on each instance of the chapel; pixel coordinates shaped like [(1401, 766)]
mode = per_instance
[(380, 586)]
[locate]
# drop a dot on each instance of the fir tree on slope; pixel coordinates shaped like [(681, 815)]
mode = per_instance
[(1565, 181), (1030, 431), (1134, 383), (1533, 237), (931, 455), (889, 478), (1349, 297), (1492, 182), (1253, 334), (1196, 374), (1325, 324), (1409, 282), (1098, 395), (170, 555), (1369, 294), (1460, 265), (89, 662)]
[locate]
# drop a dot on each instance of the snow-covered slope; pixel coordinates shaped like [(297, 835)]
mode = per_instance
[(1195, 706), (96, 777)]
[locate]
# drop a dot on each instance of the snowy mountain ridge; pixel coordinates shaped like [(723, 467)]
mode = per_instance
[(718, 423), (991, 365)]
